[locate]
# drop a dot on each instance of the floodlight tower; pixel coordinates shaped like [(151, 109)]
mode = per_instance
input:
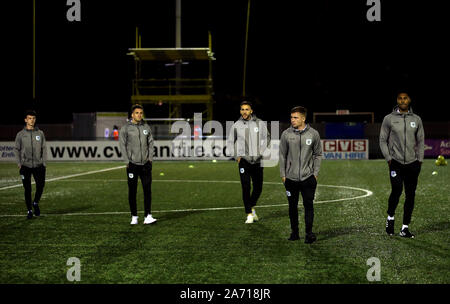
[(177, 107)]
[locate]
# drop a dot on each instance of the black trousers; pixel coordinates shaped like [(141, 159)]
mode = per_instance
[(308, 190), (134, 172), (403, 175), (39, 177), (250, 173)]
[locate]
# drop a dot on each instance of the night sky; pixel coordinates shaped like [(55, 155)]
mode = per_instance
[(324, 55)]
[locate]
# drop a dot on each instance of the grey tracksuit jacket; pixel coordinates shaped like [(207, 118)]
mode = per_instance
[(249, 139), (402, 137), (300, 153), (136, 143), (30, 148)]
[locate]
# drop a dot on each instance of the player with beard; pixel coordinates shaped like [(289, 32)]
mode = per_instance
[(402, 143)]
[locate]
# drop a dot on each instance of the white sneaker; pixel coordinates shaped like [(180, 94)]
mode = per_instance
[(249, 219), (255, 217), (134, 220), (149, 219)]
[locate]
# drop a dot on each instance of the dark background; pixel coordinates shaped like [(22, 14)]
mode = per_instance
[(322, 54)]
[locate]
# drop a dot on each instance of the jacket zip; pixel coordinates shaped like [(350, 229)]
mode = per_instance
[(32, 154), (404, 152), (140, 143), (258, 143), (300, 160)]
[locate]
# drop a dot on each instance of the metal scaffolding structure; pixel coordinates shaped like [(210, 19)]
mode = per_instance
[(152, 83)]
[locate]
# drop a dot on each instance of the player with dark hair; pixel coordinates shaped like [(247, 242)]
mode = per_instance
[(136, 143), (31, 157), (300, 158), (248, 140), (402, 143)]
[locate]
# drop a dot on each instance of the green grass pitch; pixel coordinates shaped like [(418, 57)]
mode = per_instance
[(200, 236)]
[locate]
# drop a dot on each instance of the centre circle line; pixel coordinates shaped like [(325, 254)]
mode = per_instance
[(367, 194)]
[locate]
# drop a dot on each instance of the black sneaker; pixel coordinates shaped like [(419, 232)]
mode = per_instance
[(310, 238), (30, 214), (37, 211), (406, 234), (390, 227), (294, 237)]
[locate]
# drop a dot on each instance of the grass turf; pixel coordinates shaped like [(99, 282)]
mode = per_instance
[(87, 217)]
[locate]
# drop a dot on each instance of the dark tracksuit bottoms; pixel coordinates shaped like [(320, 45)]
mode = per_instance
[(250, 173), (39, 177), (308, 189), (408, 175), (144, 172)]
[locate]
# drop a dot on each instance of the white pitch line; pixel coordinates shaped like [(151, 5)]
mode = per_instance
[(67, 176), (367, 193)]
